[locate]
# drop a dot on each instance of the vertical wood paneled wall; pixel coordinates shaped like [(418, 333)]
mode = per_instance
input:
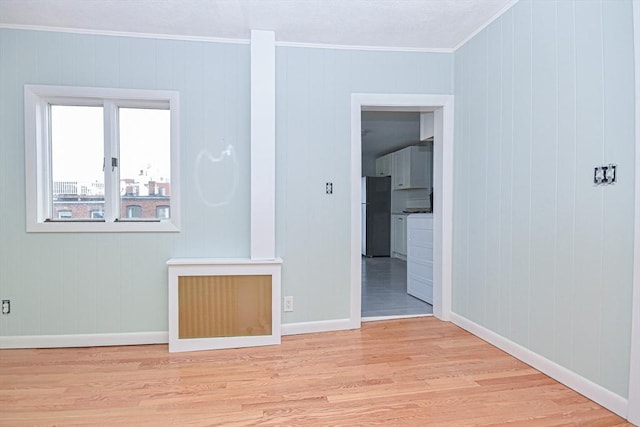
[(541, 255), (313, 95), (86, 283)]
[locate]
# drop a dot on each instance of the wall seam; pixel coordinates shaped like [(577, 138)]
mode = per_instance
[(530, 171), (500, 177), (486, 179), (575, 185), (555, 219), (602, 192)]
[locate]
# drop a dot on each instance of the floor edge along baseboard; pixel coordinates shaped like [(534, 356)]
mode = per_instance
[(610, 400), (84, 340)]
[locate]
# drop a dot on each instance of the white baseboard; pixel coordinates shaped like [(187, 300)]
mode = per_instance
[(318, 326), (142, 338), (591, 390), (84, 340), (378, 318)]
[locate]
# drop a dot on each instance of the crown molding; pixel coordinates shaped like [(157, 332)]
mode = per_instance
[(489, 22), (363, 47), (124, 34), (85, 31)]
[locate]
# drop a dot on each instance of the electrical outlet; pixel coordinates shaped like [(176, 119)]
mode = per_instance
[(288, 303), (6, 306)]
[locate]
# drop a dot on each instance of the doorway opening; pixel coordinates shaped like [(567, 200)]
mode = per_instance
[(442, 108), (397, 180)]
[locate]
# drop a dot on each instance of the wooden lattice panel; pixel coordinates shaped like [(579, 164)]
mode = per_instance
[(224, 306)]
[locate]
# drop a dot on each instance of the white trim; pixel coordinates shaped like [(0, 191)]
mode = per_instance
[(400, 316), (85, 31), (443, 189), (222, 267), (355, 251), (364, 47), (263, 144), (221, 261), (206, 39), (317, 326), (443, 211), (634, 359), (84, 340), (37, 178), (489, 22), (591, 390)]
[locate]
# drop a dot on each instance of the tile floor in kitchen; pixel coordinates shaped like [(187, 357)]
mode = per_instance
[(384, 289)]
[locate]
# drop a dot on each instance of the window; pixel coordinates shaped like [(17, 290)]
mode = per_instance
[(108, 157), (97, 214), (162, 211), (134, 211)]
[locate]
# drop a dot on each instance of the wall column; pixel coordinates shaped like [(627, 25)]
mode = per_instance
[(263, 138)]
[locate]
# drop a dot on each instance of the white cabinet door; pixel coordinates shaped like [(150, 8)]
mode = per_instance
[(399, 234), (420, 256), (400, 163), (383, 165), (426, 126), (409, 168)]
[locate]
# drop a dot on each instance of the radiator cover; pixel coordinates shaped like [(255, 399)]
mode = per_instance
[(216, 303)]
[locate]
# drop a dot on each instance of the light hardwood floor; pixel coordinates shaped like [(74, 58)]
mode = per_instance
[(394, 373)]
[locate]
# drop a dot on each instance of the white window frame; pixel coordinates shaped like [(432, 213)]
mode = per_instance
[(37, 99)]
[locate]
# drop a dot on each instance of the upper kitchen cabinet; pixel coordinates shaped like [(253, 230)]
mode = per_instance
[(383, 165), (426, 126), (410, 169)]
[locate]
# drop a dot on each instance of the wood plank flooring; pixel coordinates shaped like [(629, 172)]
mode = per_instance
[(413, 372)]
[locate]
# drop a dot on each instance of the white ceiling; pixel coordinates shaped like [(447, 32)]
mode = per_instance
[(387, 131), (413, 24)]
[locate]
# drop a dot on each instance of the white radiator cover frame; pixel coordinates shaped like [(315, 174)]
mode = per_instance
[(223, 267)]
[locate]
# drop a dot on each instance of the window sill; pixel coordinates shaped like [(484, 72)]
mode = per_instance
[(103, 227)]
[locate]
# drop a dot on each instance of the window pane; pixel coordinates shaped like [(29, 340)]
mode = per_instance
[(162, 212), (76, 161), (145, 163), (134, 211)]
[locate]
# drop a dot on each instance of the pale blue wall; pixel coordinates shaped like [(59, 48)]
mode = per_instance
[(541, 256), (313, 142), (93, 283)]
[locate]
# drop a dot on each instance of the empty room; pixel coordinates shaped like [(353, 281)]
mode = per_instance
[(184, 221)]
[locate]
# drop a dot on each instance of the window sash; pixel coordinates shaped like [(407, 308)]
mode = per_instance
[(38, 100)]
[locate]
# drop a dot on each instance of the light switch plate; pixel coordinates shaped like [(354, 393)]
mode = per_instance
[(605, 174)]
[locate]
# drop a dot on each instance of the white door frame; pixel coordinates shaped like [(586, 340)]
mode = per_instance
[(442, 106)]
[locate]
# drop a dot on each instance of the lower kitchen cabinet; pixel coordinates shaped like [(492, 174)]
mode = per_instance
[(420, 256), (399, 236)]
